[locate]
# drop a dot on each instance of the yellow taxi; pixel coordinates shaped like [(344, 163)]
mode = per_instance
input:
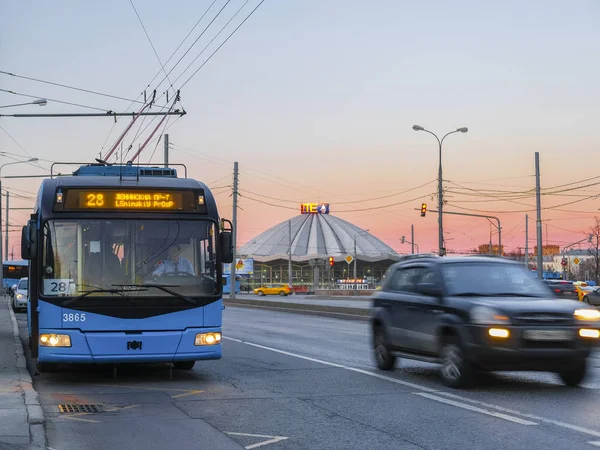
[(273, 289)]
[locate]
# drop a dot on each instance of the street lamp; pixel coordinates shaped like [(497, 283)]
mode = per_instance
[(1, 166), (39, 101), (355, 259), (442, 250)]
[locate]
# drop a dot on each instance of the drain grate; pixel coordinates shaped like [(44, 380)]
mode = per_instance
[(72, 408)]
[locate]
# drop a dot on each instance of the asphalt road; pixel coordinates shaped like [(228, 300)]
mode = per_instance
[(289, 381)]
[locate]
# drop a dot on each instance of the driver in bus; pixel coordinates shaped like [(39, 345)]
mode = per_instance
[(174, 263)]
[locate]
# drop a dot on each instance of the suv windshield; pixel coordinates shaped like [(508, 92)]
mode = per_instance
[(22, 285), (491, 279), (109, 257)]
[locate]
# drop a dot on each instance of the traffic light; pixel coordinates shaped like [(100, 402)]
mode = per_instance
[(423, 209), (331, 261), (403, 239)]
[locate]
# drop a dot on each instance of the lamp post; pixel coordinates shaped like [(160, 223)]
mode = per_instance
[(355, 259), (39, 101), (1, 166), (442, 250)]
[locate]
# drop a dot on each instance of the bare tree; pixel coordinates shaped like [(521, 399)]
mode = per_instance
[(594, 249)]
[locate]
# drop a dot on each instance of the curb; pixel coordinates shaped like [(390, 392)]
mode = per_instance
[(336, 312), (35, 414)]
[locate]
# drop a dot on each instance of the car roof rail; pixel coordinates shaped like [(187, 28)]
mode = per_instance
[(417, 256)]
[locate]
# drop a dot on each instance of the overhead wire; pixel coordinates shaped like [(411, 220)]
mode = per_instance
[(56, 101), (222, 44), (88, 91)]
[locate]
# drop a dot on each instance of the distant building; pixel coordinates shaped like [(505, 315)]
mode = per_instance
[(316, 236)]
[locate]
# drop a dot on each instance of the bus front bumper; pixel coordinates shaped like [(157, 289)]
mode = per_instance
[(121, 347)]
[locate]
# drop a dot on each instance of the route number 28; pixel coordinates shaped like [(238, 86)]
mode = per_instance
[(74, 317), (95, 200)]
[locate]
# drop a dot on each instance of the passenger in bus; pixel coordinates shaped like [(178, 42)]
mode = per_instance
[(175, 263), (104, 266)]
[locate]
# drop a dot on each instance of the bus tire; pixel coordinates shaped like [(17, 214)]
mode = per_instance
[(184, 365)]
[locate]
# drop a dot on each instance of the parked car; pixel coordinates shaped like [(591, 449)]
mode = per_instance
[(20, 297), (475, 314), (273, 289)]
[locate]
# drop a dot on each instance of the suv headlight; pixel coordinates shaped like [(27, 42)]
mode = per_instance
[(484, 315), (587, 314)]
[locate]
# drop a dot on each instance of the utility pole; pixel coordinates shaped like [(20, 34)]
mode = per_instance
[(527, 241), (234, 231), (538, 200), (412, 239), (290, 256), (6, 227), (166, 142)]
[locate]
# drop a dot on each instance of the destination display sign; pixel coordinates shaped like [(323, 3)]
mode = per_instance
[(123, 199), (314, 208)]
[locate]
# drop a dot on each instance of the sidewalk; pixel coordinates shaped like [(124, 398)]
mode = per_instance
[(21, 416)]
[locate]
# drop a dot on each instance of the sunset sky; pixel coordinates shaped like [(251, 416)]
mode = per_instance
[(316, 100)]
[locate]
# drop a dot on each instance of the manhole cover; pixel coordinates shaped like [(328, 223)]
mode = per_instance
[(72, 408)]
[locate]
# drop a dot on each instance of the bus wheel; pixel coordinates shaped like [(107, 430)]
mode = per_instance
[(184, 365)]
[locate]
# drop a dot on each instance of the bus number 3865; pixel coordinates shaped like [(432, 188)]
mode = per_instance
[(74, 317)]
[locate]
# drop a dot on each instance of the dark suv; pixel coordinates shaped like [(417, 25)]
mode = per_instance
[(479, 313)]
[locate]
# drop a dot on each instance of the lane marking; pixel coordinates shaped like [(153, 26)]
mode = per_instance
[(184, 392), (596, 443), (270, 439), (339, 366), (558, 423), (475, 409)]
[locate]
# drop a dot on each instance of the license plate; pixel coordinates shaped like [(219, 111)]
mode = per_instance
[(548, 335)]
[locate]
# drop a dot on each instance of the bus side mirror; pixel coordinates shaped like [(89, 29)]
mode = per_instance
[(25, 244), (29, 241), (226, 247)]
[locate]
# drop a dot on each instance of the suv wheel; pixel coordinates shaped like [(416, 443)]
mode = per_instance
[(385, 359), (575, 374), (260, 293), (456, 372), (282, 293), (585, 299)]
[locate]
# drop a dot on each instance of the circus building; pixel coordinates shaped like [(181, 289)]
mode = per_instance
[(324, 252)]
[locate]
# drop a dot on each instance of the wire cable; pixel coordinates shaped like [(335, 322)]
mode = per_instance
[(222, 44)]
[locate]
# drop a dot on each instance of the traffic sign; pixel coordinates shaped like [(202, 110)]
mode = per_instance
[(349, 259), (576, 261)]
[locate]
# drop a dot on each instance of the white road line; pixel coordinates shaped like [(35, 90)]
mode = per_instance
[(339, 366), (270, 440), (429, 390), (596, 443), (476, 409), (529, 416)]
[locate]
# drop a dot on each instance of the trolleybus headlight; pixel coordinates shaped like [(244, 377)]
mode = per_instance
[(208, 339), (55, 340)]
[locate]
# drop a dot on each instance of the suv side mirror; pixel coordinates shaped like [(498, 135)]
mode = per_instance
[(429, 289)]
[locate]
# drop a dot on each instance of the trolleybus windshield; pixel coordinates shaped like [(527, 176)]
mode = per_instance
[(86, 259)]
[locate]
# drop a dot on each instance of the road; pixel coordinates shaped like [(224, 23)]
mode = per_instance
[(289, 381)]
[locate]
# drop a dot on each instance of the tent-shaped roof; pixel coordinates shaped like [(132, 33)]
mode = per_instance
[(316, 236)]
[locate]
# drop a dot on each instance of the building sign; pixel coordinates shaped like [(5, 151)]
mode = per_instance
[(314, 208), (242, 267)]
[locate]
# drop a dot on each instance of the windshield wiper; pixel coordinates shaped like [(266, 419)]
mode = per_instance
[(94, 291), (164, 288)]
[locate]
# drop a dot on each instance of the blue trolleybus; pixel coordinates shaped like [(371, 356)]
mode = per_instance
[(12, 272), (125, 266)]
